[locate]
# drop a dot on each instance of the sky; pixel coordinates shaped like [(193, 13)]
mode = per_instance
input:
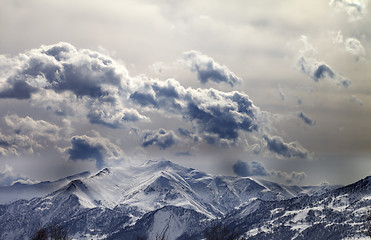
[(279, 90)]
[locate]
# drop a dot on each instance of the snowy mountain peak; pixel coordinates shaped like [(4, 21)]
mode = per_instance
[(163, 165), (76, 176), (29, 191), (77, 184), (104, 171), (161, 196)]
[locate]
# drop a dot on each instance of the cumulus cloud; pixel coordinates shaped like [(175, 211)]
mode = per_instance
[(62, 68), (113, 117), (217, 116), (351, 45), (287, 150), (355, 47), (186, 133), (33, 128), (356, 9), (209, 70), (83, 72), (26, 135), (246, 169), (70, 81), (97, 149), (59, 76), (11, 145), (63, 104), (320, 70), (222, 115), (306, 119), (161, 138), (356, 99), (105, 88), (317, 70), (17, 88)]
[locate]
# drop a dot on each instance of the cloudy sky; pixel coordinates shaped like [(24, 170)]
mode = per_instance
[(272, 89)]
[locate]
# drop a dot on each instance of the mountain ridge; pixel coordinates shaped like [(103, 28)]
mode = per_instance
[(163, 197)]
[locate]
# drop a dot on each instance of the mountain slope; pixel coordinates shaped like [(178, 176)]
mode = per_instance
[(180, 203), (28, 191), (157, 184), (337, 214)]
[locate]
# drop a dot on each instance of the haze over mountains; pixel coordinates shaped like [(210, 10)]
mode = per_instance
[(161, 197)]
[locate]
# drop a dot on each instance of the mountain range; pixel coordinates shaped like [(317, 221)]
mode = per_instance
[(161, 198)]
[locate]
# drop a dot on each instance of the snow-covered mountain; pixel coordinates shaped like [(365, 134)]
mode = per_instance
[(163, 198), (19, 191)]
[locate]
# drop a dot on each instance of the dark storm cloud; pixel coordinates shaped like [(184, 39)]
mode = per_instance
[(93, 148), (287, 150), (245, 169), (306, 119), (209, 70), (161, 138)]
